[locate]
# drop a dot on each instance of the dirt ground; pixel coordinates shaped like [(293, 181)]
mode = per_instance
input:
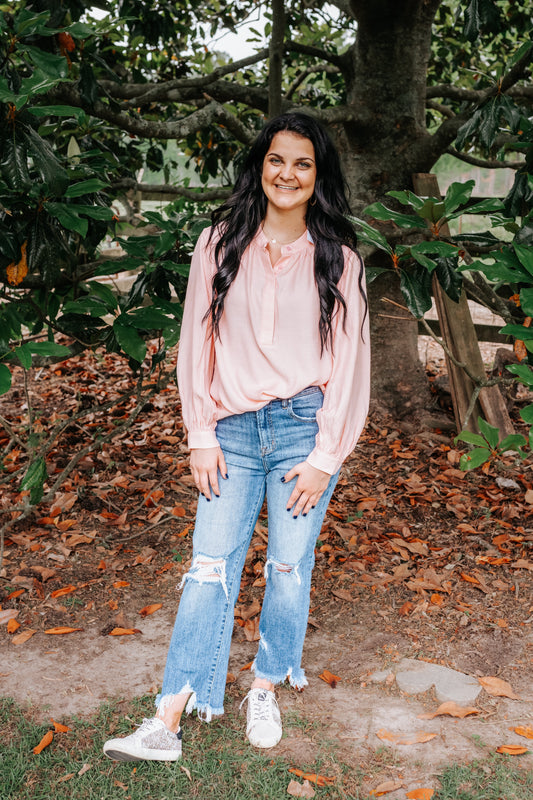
[(416, 559)]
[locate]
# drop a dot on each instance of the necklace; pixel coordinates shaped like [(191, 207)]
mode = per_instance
[(273, 240)]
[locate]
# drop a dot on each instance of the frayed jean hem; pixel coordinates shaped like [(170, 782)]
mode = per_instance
[(296, 678), (204, 710)]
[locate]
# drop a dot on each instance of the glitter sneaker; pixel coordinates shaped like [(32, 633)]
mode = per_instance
[(263, 727), (152, 741)]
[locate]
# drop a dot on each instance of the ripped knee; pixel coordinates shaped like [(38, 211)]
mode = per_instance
[(207, 569), (282, 569)]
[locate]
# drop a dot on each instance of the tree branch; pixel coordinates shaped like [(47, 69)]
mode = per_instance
[(297, 82), (482, 162), (446, 111), (213, 111), (275, 58), (191, 193), (317, 52), (505, 85)]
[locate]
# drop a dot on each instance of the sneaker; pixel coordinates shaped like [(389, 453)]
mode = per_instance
[(152, 741), (263, 719)]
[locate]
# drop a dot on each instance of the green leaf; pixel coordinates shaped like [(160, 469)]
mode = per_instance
[(379, 211), (50, 64), (147, 317), (14, 164), (28, 22), (523, 372), (23, 354), (472, 21), (35, 478), (470, 438), (475, 458), (68, 217), (45, 161), (449, 278), (87, 84), (58, 111), (86, 305), (85, 187), (491, 434), (518, 331), (526, 301), (416, 288), (525, 256), (374, 272), (130, 341), (409, 199), (5, 379), (104, 293), (515, 441), (48, 349), (457, 195), (432, 210), (527, 414)]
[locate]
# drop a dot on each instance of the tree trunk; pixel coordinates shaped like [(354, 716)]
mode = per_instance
[(386, 87)]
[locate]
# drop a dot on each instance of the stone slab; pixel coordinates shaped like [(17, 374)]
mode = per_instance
[(414, 677)]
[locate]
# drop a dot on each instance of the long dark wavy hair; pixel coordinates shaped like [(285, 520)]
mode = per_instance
[(238, 219)]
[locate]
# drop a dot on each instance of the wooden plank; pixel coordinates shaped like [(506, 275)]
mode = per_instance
[(484, 332), (459, 335)]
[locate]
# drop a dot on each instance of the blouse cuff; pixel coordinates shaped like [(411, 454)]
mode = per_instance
[(201, 440), (324, 461)]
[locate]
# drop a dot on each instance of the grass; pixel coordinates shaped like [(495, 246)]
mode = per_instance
[(218, 763), (494, 778), (218, 760)]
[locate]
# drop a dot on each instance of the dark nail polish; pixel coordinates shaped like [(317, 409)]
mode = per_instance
[(288, 509), (304, 515), (295, 516), (312, 507), (226, 476), (208, 499), (283, 480)]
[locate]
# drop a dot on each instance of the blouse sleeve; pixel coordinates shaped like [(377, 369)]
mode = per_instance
[(196, 350), (347, 392)]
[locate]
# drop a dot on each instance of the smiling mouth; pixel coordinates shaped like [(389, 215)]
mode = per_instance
[(290, 188)]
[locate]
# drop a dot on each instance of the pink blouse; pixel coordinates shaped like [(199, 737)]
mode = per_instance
[(269, 346)]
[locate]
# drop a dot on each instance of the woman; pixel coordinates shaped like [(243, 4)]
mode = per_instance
[(273, 371)]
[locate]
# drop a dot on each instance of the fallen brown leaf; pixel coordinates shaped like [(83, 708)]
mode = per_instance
[(9, 613), (522, 731), (312, 777), (12, 626), (385, 788), (330, 678), (498, 687), (45, 741), (512, 749), (147, 610), (59, 727), (451, 709), (343, 594), (20, 638), (62, 629), (421, 794), (397, 738), (63, 591), (304, 789), (120, 584), (124, 631)]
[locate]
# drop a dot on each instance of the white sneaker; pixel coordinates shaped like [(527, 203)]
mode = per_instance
[(263, 718), (152, 741)]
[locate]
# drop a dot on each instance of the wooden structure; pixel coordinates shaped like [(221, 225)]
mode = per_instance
[(459, 335)]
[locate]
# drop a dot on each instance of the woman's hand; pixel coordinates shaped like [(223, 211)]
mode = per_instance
[(205, 464), (309, 488)]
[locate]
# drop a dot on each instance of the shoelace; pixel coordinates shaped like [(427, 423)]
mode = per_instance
[(261, 704)]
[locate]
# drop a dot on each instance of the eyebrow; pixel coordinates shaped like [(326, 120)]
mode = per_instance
[(300, 158)]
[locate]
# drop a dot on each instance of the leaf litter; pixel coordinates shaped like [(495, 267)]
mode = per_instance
[(409, 542)]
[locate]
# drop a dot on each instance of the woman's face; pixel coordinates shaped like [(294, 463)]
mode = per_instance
[(289, 172)]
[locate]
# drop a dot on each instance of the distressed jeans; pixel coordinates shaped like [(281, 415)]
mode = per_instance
[(259, 448)]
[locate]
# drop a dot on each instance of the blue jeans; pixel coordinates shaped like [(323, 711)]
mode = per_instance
[(259, 448)]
